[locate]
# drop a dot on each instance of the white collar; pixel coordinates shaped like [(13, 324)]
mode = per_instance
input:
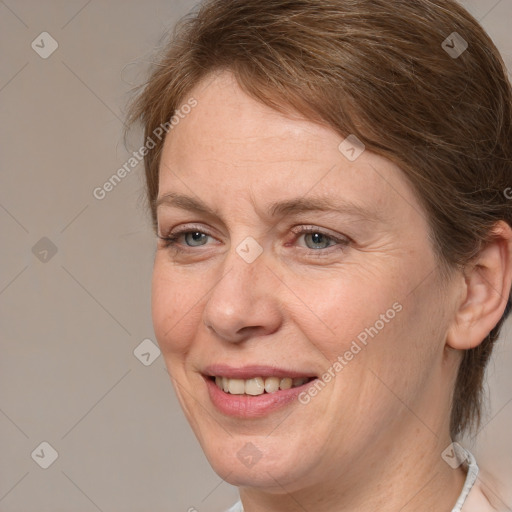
[(469, 461)]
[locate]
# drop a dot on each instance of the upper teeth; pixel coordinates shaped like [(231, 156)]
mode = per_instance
[(258, 385)]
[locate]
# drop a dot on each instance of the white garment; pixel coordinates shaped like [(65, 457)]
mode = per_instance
[(472, 474)]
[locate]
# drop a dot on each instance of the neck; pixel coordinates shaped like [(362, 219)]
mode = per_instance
[(409, 476)]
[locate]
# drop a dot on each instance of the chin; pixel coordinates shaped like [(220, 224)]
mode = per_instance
[(257, 461)]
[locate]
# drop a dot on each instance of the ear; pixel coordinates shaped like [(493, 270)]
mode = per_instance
[(485, 293)]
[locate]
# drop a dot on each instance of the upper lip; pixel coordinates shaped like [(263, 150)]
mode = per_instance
[(251, 371)]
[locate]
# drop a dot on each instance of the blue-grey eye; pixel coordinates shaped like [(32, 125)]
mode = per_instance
[(196, 236), (318, 239)]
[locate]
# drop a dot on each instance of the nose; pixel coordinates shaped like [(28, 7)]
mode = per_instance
[(243, 304)]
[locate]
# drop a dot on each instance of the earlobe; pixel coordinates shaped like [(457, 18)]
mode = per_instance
[(485, 293)]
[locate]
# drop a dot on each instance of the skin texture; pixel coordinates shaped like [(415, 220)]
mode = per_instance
[(373, 437)]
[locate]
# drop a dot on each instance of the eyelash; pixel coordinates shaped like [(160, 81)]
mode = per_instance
[(170, 241)]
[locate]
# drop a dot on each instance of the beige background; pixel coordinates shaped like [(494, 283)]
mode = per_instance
[(70, 321)]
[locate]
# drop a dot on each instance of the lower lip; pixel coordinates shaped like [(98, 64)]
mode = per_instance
[(248, 406)]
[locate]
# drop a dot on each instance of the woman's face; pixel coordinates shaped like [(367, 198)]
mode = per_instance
[(302, 260)]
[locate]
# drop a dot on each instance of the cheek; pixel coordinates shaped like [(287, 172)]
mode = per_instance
[(378, 317), (174, 308), (350, 305)]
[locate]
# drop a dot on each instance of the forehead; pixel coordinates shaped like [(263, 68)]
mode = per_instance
[(230, 146)]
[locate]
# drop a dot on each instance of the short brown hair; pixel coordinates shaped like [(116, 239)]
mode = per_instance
[(378, 69)]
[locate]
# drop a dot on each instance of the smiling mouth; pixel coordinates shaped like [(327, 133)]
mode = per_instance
[(258, 385)]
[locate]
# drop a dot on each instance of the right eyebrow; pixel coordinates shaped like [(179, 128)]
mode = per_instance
[(172, 199)]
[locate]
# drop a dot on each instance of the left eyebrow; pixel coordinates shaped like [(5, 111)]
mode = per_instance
[(322, 204)]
